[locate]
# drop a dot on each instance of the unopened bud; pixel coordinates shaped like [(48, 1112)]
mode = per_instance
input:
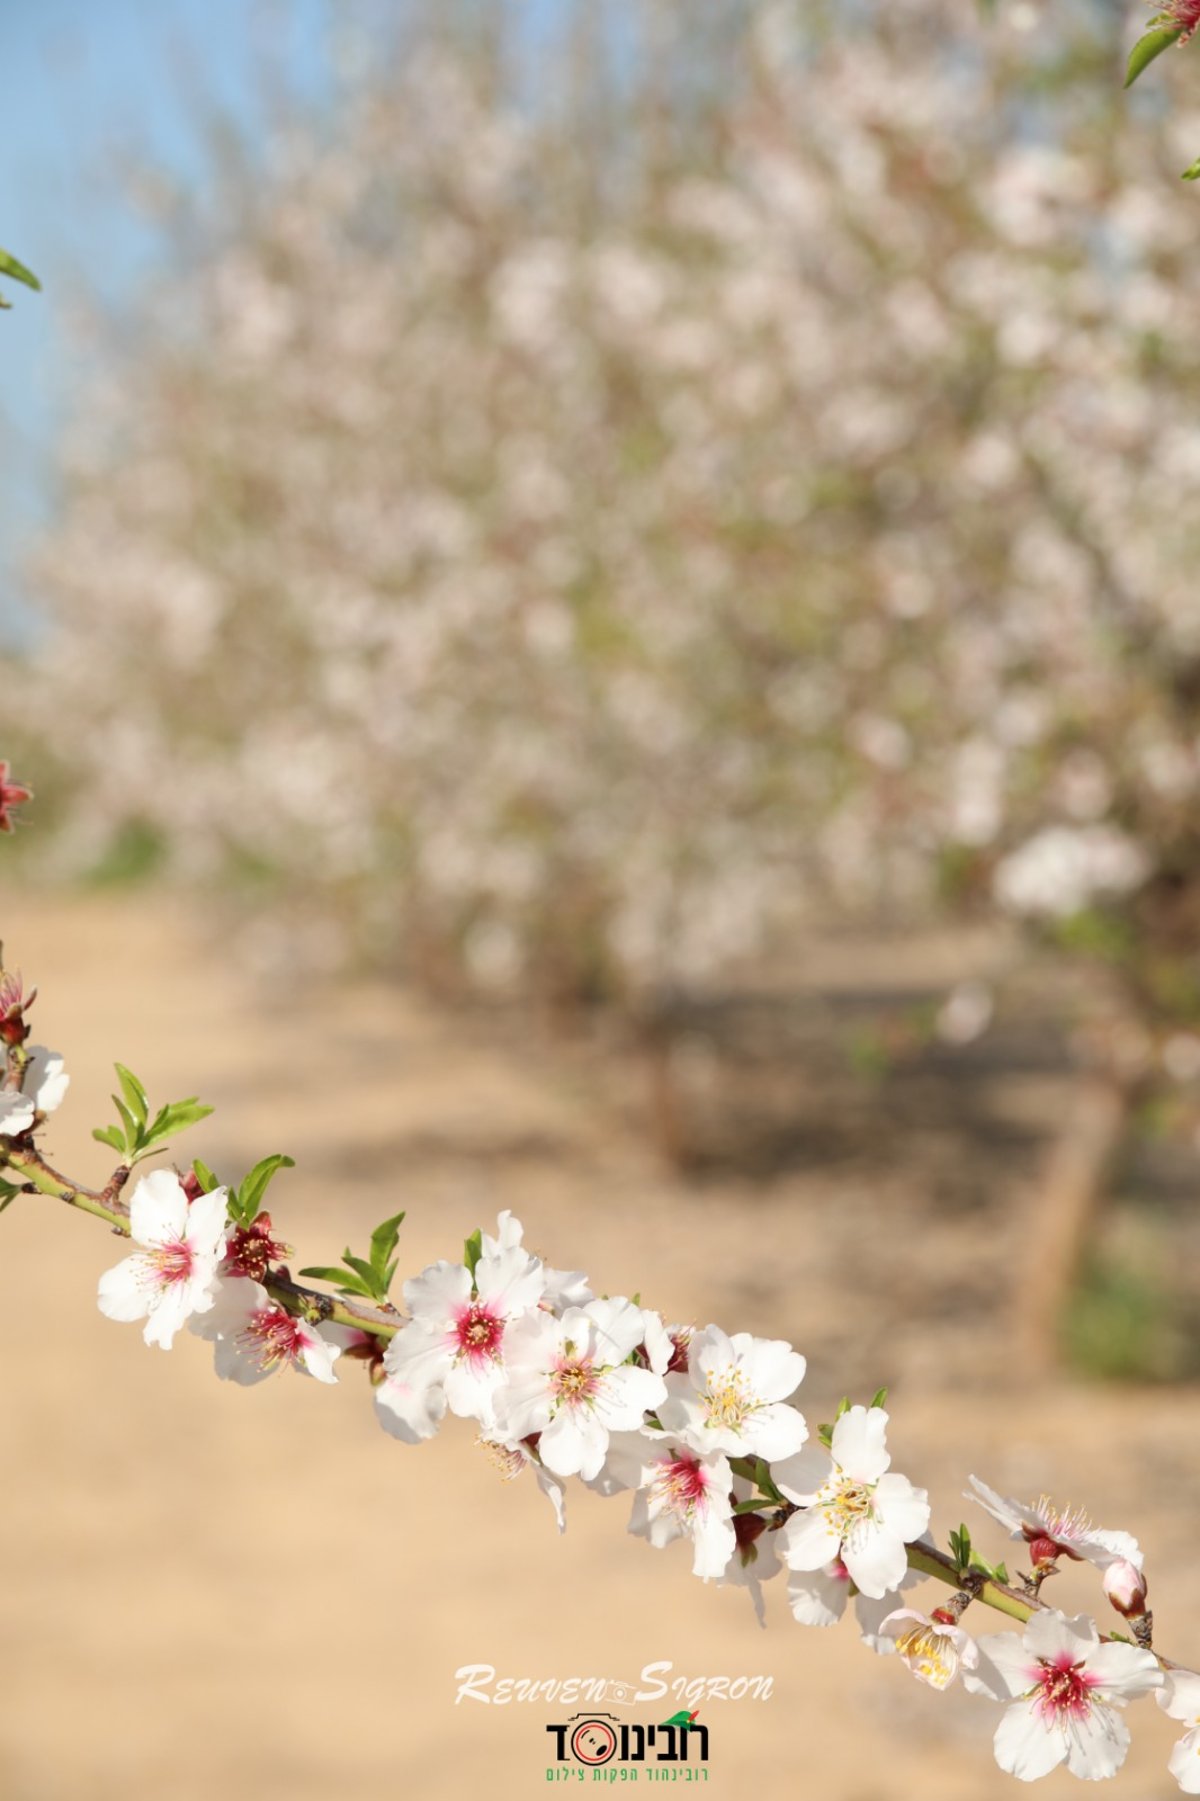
[(1126, 1588)]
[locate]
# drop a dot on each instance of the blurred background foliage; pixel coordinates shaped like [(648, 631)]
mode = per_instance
[(585, 518)]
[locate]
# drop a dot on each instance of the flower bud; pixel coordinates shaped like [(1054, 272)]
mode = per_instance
[(14, 1028), (1126, 1588)]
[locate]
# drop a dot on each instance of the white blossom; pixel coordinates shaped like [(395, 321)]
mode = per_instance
[(174, 1274), (569, 1381), (734, 1396), (853, 1509), (1066, 1689)]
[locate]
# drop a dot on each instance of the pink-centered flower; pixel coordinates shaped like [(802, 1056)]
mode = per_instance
[(1066, 1690), (253, 1336), (853, 1508), (174, 1274), (12, 794), (1052, 1532), (571, 1380), (457, 1337), (678, 1494), (1179, 1698), (45, 1084), (734, 1396)]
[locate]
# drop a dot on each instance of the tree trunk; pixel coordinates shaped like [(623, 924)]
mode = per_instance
[(1063, 1213)]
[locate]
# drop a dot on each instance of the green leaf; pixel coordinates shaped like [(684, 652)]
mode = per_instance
[(204, 1176), (1192, 172), (880, 1397), (473, 1251), (343, 1279), (8, 1195), (10, 266), (109, 1135), (132, 1133), (997, 1571), (1152, 43), (383, 1243), (362, 1269), (766, 1486), (176, 1116), (135, 1094), (843, 1406), (825, 1434), (254, 1186)]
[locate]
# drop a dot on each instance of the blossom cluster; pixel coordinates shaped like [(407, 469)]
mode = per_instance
[(572, 580), (699, 1428)]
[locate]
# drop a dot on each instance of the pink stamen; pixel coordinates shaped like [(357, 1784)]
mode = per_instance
[(1062, 1687), (272, 1336), (479, 1332), (682, 1484), (574, 1380), (171, 1262)]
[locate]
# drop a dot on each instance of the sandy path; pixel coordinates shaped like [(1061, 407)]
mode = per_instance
[(256, 1593)]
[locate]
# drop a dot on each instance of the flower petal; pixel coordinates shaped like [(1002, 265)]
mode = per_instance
[(1184, 1762), (1006, 1667), (207, 1218), (818, 1598), (776, 1431), (512, 1281), (1051, 1634), (573, 1444), (1025, 1746), (773, 1369), (1180, 1696), (436, 1296), (124, 1292), (902, 1508), (809, 1542), (875, 1558), (859, 1443), (167, 1315), (158, 1208), (407, 1413), (801, 1476), (1097, 1743), (1124, 1671)]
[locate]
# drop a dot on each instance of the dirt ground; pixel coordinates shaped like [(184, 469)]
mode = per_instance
[(256, 1593)]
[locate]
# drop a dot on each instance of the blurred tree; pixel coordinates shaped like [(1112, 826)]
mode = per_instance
[(567, 535)]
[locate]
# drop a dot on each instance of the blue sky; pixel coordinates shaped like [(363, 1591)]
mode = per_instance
[(85, 84), (89, 86)]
